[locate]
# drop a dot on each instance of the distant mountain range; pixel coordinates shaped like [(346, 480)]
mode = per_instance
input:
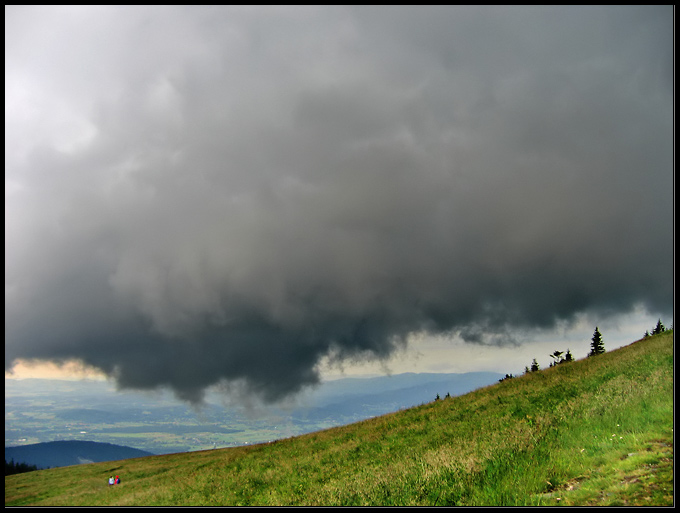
[(70, 452), (366, 397)]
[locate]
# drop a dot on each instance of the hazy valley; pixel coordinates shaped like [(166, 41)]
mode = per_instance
[(38, 410)]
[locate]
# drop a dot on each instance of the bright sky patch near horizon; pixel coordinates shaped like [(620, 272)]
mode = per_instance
[(263, 195)]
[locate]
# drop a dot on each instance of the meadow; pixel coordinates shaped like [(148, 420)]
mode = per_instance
[(593, 432)]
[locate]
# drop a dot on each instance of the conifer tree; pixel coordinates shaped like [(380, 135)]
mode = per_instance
[(16, 468), (568, 357), (534, 366), (596, 345), (660, 328)]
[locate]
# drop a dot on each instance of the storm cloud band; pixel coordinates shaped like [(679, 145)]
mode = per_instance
[(278, 185)]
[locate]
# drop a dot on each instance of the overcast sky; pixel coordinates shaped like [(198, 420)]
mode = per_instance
[(243, 195)]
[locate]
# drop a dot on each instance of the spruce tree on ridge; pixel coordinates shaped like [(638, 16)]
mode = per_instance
[(597, 344)]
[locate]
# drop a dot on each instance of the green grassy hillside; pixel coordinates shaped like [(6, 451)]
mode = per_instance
[(597, 431)]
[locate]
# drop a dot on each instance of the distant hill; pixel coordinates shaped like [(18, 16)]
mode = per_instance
[(70, 452)]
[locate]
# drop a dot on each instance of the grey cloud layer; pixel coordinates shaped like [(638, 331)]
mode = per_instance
[(230, 194)]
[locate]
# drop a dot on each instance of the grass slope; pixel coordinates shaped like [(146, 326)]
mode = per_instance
[(597, 431)]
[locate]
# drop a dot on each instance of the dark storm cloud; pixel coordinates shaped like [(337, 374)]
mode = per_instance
[(197, 195)]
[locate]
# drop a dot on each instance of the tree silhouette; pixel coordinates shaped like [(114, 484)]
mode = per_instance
[(16, 468), (568, 357), (596, 345), (534, 366), (660, 328), (557, 357)]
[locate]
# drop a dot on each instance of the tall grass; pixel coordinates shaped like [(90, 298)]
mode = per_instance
[(597, 431)]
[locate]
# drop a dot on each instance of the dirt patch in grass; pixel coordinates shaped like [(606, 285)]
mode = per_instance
[(649, 482)]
